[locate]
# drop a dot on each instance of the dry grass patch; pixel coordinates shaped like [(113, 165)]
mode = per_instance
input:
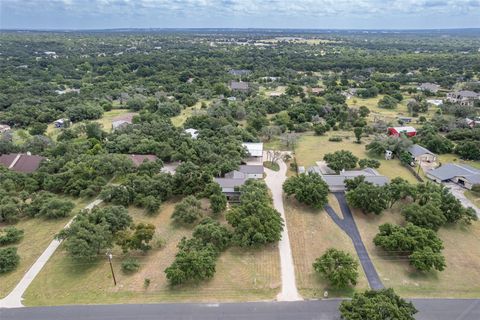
[(38, 233), (311, 233), (187, 112), (242, 275), (312, 148), (461, 278)]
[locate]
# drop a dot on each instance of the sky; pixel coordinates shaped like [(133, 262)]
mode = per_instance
[(312, 14)]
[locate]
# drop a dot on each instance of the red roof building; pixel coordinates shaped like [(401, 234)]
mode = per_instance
[(396, 131)]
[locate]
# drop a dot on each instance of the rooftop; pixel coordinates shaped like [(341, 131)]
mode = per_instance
[(21, 162), (451, 170), (417, 150), (235, 85), (138, 159), (255, 149)]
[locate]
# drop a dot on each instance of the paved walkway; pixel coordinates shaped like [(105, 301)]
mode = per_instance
[(14, 298), (459, 193), (274, 181), (348, 225)]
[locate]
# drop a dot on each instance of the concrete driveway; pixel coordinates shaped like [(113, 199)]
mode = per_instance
[(459, 193)]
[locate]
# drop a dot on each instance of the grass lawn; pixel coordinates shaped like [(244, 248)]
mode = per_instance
[(312, 148), (311, 233), (461, 278), (108, 116), (187, 112), (242, 275), (38, 233), (473, 196)]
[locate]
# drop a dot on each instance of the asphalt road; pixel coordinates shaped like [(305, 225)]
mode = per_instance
[(348, 225), (430, 309)]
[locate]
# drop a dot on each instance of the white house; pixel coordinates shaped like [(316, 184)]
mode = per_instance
[(254, 149), (192, 132)]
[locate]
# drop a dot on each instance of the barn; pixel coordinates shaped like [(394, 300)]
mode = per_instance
[(396, 131)]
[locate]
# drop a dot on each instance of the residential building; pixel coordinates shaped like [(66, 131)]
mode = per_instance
[(336, 182), (470, 122), (233, 180), (4, 128), (463, 97), (123, 120), (254, 149), (138, 159), (436, 102), (239, 72), (61, 123), (396, 131), (421, 154), (239, 86), (431, 87), (461, 174), (404, 119), (192, 132), (21, 162)]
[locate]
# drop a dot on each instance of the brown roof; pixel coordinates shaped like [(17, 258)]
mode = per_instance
[(138, 159), (21, 162), (125, 117)]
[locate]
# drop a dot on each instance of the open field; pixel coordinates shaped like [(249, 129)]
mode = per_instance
[(38, 233), (461, 278), (242, 275), (389, 115), (105, 121), (187, 112), (473, 196), (311, 233), (312, 148)]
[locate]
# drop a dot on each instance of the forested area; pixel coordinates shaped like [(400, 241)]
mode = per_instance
[(174, 81)]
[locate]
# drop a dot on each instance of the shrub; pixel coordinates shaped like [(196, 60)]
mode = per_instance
[(130, 265), (10, 235), (187, 211), (335, 139), (9, 259)]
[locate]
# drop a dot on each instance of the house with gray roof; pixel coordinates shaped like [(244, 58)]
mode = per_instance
[(463, 97), (239, 86), (336, 182), (421, 154), (461, 174), (427, 86), (235, 179)]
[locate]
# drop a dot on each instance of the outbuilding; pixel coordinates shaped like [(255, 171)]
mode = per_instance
[(397, 131)]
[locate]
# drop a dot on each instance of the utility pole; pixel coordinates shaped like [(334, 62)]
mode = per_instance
[(109, 255)]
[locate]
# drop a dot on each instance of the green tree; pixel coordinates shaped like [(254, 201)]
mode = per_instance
[(426, 259), (369, 163), (399, 189), (254, 221), (218, 202), (10, 235), (209, 231), (187, 211), (9, 259), (427, 216), (387, 102), (339, 267), (308, 189), (382, 304), (367, 197), (341, 160), (358, 133)]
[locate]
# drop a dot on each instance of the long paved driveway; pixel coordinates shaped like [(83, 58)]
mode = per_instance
[(274, 181), (14, 298), (429, 309), (348, 225)]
